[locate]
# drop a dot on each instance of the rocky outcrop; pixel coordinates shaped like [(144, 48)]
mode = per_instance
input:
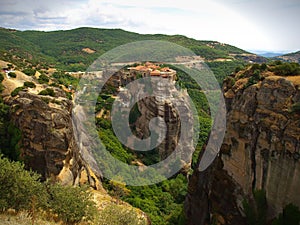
[(173, 106), (47, 144), (260, 150)]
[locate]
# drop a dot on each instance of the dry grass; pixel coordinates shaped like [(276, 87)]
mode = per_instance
[(23, 218)]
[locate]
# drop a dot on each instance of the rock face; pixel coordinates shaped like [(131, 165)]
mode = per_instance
[(260, 151), (171, 105), (47, 144)]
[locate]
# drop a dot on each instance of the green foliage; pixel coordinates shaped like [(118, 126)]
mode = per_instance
[(134, 114), (289, 216), (18, 187), (47, 91), (238, 69), (200, 102), (254, 78), (287, 69), (118, 215), (118, 188), (69, 95), (65, 79), (296, 108), (1, 77), (163, 202), (71, 204), (223, 69), (29, 84), (16, 91), (12, 74), (112, 144), (256, 211), (21, 190), (9, 134), (63, 49), (29, 71), (204, 126), (104, 102), (43, 79)]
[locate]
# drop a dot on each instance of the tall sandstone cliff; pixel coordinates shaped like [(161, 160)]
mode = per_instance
[(260, 151), (47, 144)]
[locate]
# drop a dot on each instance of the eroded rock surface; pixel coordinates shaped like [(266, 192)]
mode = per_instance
[(260, 151), (48, 145)]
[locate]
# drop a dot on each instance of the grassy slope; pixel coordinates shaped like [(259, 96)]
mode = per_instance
[(64, 48)]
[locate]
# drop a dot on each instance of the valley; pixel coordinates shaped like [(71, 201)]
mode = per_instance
[(45, 125)]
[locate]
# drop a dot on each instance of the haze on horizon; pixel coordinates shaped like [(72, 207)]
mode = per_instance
[(257, 25)]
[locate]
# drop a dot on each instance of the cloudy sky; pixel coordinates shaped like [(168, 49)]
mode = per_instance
[(270, 25)]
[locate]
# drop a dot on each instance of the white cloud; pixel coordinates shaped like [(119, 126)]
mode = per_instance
[(246, 24)]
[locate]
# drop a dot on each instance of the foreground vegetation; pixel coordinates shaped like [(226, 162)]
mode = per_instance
[(25, 198)]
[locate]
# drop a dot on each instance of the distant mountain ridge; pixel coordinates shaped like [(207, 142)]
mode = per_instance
[(268, 54), (290, 57), (76, 49)]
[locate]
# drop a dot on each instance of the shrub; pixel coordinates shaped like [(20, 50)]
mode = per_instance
[(43, 79), (16, 91), (256, 211), (253, 79), (296, 108), (118, 215), (29, 71), (287, 69), (12, 74), (29, 84), (289, 216), (263, 67), (71, 204), (1, 77), (19, 189), (48, 91)]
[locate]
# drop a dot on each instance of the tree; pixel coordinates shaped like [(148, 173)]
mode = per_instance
[(43, 79), (12, 74), (16, 91), (71, 204), (47, 91), (119, 215), (18, 187), (29, 84), (119, 189)]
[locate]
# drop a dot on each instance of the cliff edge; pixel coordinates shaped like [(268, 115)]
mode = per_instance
[(260, 150)]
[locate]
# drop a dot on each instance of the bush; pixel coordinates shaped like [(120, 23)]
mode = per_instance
[(19, 189), (48, 91), (29, 71), (253, 79), (289, 216), (16, 91), (12, 74), (43, 79), (287, 69), (1, 77), (118, 215), (72, 205), (256, 212), (296, 107), (29, 84)]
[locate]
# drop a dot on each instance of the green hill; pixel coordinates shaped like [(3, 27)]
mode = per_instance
[(291, 57), (76, 49)]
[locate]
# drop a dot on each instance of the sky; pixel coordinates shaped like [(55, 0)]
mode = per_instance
[(254, 25)]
